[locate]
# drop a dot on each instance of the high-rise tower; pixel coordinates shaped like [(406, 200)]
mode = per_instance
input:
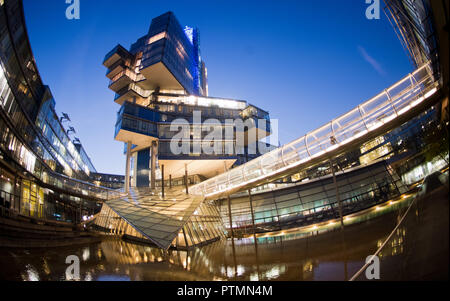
[(161, 84)]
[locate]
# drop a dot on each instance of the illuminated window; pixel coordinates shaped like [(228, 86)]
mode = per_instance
[(157, 37)]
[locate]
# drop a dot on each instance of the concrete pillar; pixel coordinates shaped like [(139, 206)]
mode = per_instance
[(162, 180), (153, 164), (230, 218), (81, 211), (133, 181), (253, 214), (127, 168), (186, 178)]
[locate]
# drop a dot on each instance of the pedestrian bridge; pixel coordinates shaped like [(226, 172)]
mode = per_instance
[(378, 115)]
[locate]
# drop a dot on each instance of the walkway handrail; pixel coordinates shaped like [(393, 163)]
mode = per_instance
[(79, 186), (366, 117), (369, 262)]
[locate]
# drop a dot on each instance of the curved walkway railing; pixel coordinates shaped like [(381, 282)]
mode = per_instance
[(365, 118), (80, 187)]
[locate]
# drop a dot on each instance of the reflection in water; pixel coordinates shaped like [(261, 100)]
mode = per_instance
[(223, 260), (335, 255), (31, 274)]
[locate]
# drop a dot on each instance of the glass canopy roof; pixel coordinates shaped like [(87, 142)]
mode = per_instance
[(157, 219)]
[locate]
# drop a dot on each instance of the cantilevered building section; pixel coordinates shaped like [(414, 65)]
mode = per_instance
[(161, 82)]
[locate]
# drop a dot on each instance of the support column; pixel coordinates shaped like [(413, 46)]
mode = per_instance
[(254, 231), (81, 211), (170, 181), (17, 191), (186, 178), (230, 218), (134, 160), (153, 164), (338, 198), (162, 180), (127, 168), (253, 215)]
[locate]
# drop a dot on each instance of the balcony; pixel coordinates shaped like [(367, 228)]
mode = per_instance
[(136, 124), (258, 122), (118, 52), (124, 78), (129, 92), (117, 67)]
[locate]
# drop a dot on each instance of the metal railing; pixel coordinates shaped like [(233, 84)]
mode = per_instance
[(365, 118), (127, 72), (79, 187), (120, 50), (134, 88)]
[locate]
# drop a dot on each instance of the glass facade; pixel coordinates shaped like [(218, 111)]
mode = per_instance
[(314, 201), (74, 159), (162, 82), (157, 119), (43, 175), (414, 25), (168, 43), (15, 53)]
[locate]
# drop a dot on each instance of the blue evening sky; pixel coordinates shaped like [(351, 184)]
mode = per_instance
[(306, 62)]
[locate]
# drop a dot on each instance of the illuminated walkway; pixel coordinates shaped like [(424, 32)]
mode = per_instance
[(378, 115)]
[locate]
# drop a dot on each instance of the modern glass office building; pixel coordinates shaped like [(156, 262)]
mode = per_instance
[(44, 174), (368, 157), (355, 162), (161, 85)]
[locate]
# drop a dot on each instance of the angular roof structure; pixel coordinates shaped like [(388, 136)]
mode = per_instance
[(159, 220)]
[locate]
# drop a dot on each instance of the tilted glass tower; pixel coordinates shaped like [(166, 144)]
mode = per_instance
[(161, 84)]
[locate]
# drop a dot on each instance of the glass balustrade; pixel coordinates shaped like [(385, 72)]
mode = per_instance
[(363, 119)]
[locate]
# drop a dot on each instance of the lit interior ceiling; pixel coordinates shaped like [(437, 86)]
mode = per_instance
[(158, 75), (207, 168)]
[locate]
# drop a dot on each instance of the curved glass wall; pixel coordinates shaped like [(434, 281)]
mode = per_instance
[(55, 133), (413, 22), (314, 201), (41, 170)]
